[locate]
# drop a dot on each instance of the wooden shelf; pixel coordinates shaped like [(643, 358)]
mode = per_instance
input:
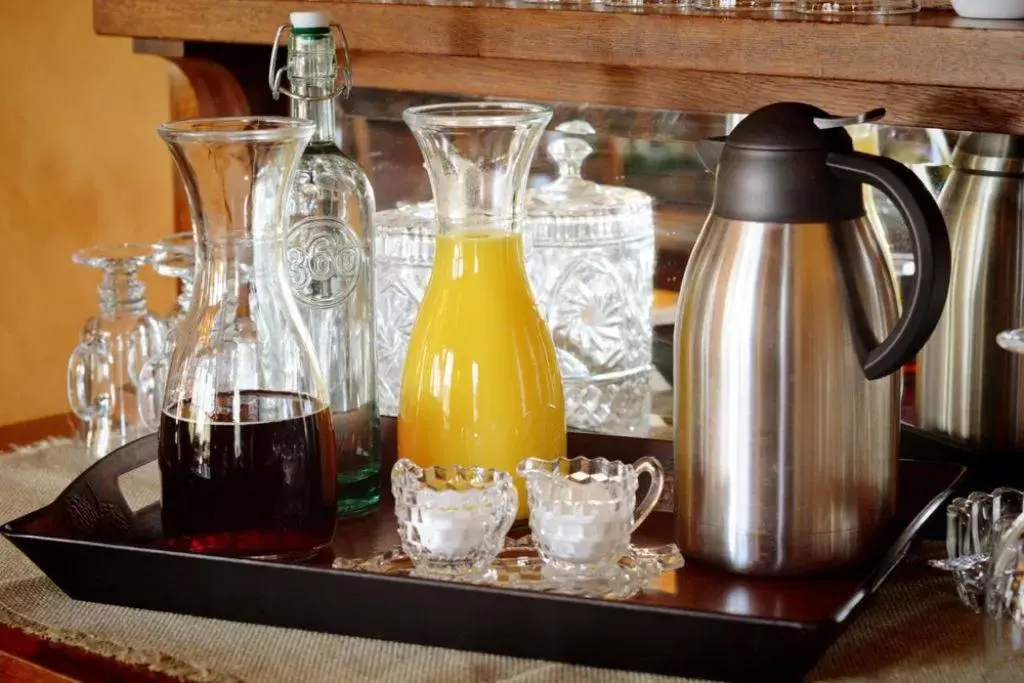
[(927, 69)]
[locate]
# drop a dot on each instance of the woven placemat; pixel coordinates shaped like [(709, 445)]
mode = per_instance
[(915, 632)]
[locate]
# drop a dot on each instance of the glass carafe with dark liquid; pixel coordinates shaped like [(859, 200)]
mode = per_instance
[(246, 442)]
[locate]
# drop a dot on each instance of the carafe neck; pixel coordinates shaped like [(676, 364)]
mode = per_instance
[(478, 157), (236, 173), (226, 270), (478, 224), (482, 256)]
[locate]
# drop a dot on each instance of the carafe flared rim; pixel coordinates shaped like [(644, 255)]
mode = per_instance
[(477, 115), (236, 129)]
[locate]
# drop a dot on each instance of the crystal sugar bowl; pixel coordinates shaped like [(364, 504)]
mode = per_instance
[(452, 520), (583, 511), (592, 271)]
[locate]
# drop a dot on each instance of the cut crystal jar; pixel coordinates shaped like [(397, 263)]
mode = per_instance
[(403, 257), (592, 270)]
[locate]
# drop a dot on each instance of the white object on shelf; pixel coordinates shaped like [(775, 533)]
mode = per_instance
[(990, 9)]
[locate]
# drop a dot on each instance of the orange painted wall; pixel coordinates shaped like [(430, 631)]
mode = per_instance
[(81, 164)]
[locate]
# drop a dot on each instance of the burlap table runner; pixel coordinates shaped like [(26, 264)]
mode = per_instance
[(916, 630)]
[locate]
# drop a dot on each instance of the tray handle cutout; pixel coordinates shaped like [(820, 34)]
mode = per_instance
[(93, 506)]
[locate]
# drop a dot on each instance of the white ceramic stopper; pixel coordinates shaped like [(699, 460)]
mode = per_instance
[(310, 20)]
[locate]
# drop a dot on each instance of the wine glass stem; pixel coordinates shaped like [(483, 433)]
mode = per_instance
[(185, 293), (121, 291)]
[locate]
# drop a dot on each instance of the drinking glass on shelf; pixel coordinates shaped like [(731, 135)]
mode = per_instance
[(103, 371), (863, 7), (175, 257), (556, 3), (743, 5), (666, 4)]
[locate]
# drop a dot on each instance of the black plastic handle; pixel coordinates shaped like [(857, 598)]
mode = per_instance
[(931, 253)]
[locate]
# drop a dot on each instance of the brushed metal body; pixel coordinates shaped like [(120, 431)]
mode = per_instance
[(786, 455), (967, 387)]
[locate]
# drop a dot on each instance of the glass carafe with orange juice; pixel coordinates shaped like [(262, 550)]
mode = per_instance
[(481, 384)]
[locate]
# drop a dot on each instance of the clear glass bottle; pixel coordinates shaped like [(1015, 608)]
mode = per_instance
[(481, 385), (246, 440), (329, 257)]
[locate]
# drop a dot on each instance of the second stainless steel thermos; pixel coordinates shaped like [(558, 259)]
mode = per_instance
[(788, 347), (967, 387)]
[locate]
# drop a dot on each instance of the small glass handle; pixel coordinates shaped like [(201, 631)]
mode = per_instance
[(89, 364), (151, 384), (650, 466)]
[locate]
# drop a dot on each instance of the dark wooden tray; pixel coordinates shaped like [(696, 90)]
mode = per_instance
[(697, 621)]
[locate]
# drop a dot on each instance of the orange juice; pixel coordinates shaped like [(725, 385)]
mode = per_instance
[(481, 384)]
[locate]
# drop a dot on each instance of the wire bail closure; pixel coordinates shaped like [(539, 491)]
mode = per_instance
[(343, 85)]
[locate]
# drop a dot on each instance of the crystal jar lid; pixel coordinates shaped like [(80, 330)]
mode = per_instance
[(405, 234), (572, 208)]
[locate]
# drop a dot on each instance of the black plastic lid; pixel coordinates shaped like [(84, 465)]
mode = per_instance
[(773, 168), (789, 126)]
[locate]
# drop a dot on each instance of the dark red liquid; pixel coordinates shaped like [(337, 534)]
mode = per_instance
[(255, 479)]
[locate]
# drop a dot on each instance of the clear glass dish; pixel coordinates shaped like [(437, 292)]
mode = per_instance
[(744, 5), (452, 520), (975, 526), (869, 7)]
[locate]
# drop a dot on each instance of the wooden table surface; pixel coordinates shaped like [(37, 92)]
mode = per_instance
[(28, 658)]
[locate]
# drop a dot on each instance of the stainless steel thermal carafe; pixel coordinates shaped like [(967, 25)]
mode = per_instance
[(967, 387), (787, 405)]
